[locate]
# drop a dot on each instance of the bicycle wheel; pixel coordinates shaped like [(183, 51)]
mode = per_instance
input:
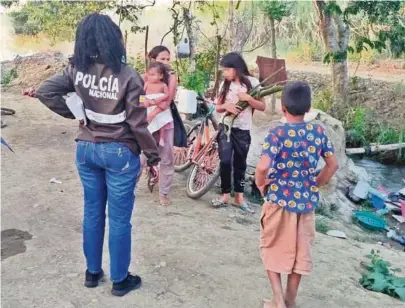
[(182, 155), (7, 111), (203, 176)]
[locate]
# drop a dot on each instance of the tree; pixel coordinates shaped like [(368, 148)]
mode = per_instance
[(275, 12), (334, 25)]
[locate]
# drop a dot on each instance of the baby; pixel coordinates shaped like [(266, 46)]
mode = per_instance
[(156, 95)]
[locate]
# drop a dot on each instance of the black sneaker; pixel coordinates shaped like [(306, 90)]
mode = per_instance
[(130, 283), (92, 280)]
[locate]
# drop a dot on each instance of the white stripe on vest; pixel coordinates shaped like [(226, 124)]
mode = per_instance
[(106, 118)]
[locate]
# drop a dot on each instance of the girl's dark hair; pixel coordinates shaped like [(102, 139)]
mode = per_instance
[(155, 51), (162, 69), (234, 60), (98, 39)]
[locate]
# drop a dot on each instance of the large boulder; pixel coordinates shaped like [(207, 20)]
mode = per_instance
[(335, 192)]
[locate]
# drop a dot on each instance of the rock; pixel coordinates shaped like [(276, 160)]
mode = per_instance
[(337, 233), (348, 174)]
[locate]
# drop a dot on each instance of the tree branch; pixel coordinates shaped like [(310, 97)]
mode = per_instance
[(260, 46)]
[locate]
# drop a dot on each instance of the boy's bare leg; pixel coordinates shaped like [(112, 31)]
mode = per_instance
[(293, 283), (278, 296)]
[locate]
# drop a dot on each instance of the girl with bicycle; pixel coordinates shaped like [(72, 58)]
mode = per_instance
[(233, 153)]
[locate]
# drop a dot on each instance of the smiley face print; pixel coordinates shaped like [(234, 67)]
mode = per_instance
[(314, 189), (305, 194), (304, 172), (291, 133), (290, 164), (298, 185), (318, 141), (291, 183), (301, 206), (273, 187), (297, 164), (314, 198), (288, 143), (310, 137), (282, 203), (280, 166), (311, 149), (295, 154), (301, 132), (297, 144), (295, 173), (274, 150), (297, 195), (273, 197), (310, 126), (292, 203)]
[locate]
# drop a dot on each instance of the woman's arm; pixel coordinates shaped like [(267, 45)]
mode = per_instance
[(52, 91), (136, 118)]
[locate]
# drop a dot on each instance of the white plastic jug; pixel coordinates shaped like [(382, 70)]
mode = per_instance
[(183, 49), (187, 101)]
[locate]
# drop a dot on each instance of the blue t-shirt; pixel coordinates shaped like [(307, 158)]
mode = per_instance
[(294, 150)]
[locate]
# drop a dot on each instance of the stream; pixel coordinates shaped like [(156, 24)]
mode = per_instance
[(388, 176)]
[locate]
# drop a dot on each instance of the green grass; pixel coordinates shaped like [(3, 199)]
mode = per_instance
[(8, 76), (321, 225)]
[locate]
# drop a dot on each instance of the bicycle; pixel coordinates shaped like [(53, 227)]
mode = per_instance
[(202, 156), (182, 158)]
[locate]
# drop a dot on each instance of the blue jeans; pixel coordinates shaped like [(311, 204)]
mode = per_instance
[(108, 172)]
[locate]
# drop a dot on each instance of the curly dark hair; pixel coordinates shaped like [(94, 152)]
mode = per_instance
[(162, 69), (98, 39)]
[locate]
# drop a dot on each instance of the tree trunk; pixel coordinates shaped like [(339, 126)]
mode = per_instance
[(188, 22), (273, 55), (231, 26), (217, 71), (335, 33)]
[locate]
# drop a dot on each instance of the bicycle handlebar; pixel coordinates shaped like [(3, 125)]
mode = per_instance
[(210, 111)]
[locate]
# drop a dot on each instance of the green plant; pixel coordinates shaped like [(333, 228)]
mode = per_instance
[(137, 63), (355, 124), (8, 76), (321, 225), (380, 277), (323, 100), (195, 81)]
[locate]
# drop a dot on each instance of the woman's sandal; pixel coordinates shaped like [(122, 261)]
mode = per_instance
[(244, 207), (218, 203)]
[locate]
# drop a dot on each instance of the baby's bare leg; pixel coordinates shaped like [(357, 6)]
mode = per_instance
[(161, 138)]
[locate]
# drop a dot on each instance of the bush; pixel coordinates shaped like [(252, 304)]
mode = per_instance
[(305, 53), (23, 25), (323, 100), (8, 77), (321, 225), (195, 81)]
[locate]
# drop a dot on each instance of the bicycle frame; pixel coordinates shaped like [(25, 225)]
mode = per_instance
[(200, 150)]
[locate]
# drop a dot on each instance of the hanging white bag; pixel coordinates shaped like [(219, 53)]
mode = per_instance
[(183, 49)]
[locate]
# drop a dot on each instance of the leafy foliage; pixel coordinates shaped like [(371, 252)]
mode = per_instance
[(195, 81), (277, 9), (379, 277), (323, 100), (8, 76), (57, 19), (321, 225)]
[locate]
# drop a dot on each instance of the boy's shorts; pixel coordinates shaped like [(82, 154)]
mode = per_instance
[(286, 239)]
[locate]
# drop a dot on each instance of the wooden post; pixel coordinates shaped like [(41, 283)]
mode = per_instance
[(376, 148), (146, 47)]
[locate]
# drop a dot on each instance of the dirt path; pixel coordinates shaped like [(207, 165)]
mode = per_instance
[(188, 254)]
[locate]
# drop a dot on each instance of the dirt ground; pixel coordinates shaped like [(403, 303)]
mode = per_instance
[(188, 254)]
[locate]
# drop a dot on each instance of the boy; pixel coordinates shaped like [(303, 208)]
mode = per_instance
[(286, 176)]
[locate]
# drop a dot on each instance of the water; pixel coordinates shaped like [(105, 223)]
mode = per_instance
[(389, 176)]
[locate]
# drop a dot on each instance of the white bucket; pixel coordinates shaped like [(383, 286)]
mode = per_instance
[(186, 101)]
